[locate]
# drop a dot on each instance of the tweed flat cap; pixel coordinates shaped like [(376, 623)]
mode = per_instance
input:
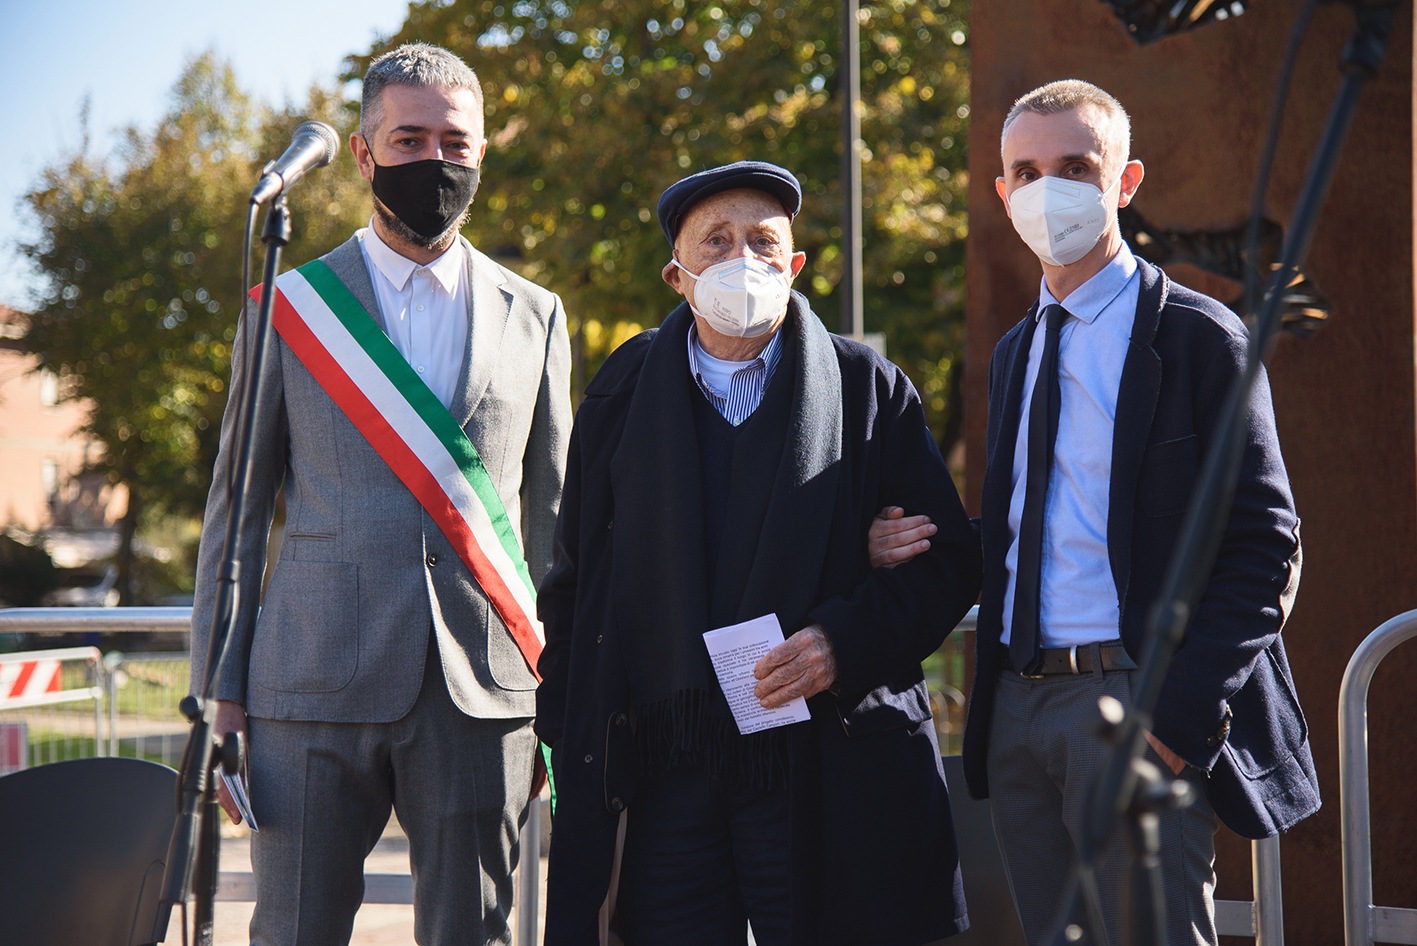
[(678, 198)]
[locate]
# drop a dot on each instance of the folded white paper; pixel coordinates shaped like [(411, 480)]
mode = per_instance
[(735, 650)]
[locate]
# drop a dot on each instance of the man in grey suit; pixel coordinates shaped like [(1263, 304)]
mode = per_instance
[(381, 672)]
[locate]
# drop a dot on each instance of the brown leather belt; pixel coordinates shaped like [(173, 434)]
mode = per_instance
[(1074, 660)]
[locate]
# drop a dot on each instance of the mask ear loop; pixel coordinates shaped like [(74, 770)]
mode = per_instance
[(1117, 184), (692, 307)]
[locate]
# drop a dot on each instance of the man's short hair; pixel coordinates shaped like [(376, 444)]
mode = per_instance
[(1065, 95), (419, 65)]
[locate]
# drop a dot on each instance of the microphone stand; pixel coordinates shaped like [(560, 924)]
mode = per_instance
[(1129, 787), (192, 853)]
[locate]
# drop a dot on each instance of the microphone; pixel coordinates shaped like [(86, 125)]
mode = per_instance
[(314, 145)]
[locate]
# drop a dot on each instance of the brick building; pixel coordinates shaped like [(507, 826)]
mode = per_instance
[(43, 486)]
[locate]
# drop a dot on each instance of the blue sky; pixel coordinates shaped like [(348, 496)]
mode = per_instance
[(127, 55)]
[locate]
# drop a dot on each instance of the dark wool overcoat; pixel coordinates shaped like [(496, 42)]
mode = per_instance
[(1227, 704), (873, 856)]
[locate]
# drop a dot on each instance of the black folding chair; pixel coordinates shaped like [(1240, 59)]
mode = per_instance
[(82, 846)]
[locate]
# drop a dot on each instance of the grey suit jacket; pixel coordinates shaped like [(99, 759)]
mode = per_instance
[(363, 570)]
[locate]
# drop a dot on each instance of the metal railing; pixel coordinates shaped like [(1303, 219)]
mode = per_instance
[(143, 691), (129, 677), (94, 620), (1364, 923)]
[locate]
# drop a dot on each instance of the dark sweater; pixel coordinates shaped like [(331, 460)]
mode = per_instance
[(738, 466)]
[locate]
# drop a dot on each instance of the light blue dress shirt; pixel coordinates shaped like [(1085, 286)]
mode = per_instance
[(734, 388), (1078, 603)]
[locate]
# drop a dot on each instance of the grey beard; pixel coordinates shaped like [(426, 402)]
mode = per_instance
[(406, 233)]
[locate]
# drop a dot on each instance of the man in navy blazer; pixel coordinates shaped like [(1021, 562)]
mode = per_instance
[(1077, 534)]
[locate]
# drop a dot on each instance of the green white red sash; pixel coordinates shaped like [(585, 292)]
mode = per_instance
[(333, 335)]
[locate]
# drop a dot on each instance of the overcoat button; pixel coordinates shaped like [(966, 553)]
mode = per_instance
[(621, 719), (432, 559), (599, 638), (587, 758), (610, 524), (616, 805)]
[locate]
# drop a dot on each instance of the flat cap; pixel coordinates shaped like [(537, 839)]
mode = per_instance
[(678, 198)]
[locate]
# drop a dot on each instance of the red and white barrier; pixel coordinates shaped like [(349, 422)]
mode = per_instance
[(23, 678), (34, 678)]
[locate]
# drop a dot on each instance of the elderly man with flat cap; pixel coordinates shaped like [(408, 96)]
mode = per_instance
[(724, 467)]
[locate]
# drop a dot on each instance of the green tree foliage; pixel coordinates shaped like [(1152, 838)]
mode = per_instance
[(143, 259), (594, 107)]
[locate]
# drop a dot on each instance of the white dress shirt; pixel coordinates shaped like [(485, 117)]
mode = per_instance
[(1078, 602), (425, 309)]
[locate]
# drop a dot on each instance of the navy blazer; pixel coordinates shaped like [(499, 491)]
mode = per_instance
[(1185, 351)]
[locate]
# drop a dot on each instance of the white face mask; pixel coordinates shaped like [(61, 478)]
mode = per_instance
[(1061, 221), (739, 297)]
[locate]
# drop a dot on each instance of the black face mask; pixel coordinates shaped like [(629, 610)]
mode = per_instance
[(429, 196)]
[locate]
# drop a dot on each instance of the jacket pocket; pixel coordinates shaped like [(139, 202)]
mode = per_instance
[(307, 634), (1268, 726), (505, 661), (1168, 475)]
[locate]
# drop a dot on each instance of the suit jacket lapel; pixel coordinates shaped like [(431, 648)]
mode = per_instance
[(347, 262), (1136, 406), (490, 307), (998, 479)]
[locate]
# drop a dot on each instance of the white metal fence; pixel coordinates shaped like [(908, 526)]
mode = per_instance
[(143, 691), (1363, 921), (75, 703)]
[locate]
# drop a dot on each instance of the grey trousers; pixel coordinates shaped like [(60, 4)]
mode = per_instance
[(322, 792), (1043, 755)]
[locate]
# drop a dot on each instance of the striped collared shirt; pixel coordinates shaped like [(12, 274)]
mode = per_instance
[(746, 383)]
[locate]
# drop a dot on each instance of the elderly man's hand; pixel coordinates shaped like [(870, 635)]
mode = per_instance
[(895, 538), (803, 665)]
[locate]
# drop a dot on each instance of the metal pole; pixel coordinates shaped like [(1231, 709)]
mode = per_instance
[(853, 321), (1269, 893), (529, 876), (111, 666), (1353, 774), (98, 710)]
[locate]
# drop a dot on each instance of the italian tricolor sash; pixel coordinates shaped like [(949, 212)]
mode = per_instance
[(358, 366)]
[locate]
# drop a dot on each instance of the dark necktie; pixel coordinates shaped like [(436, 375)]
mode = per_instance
[(1025, 637)]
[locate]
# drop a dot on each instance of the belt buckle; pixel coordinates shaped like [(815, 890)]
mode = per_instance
[(1073, 660)]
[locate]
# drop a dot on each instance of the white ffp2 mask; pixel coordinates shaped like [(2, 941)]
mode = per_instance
[(740, 297), (1061, 221)]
